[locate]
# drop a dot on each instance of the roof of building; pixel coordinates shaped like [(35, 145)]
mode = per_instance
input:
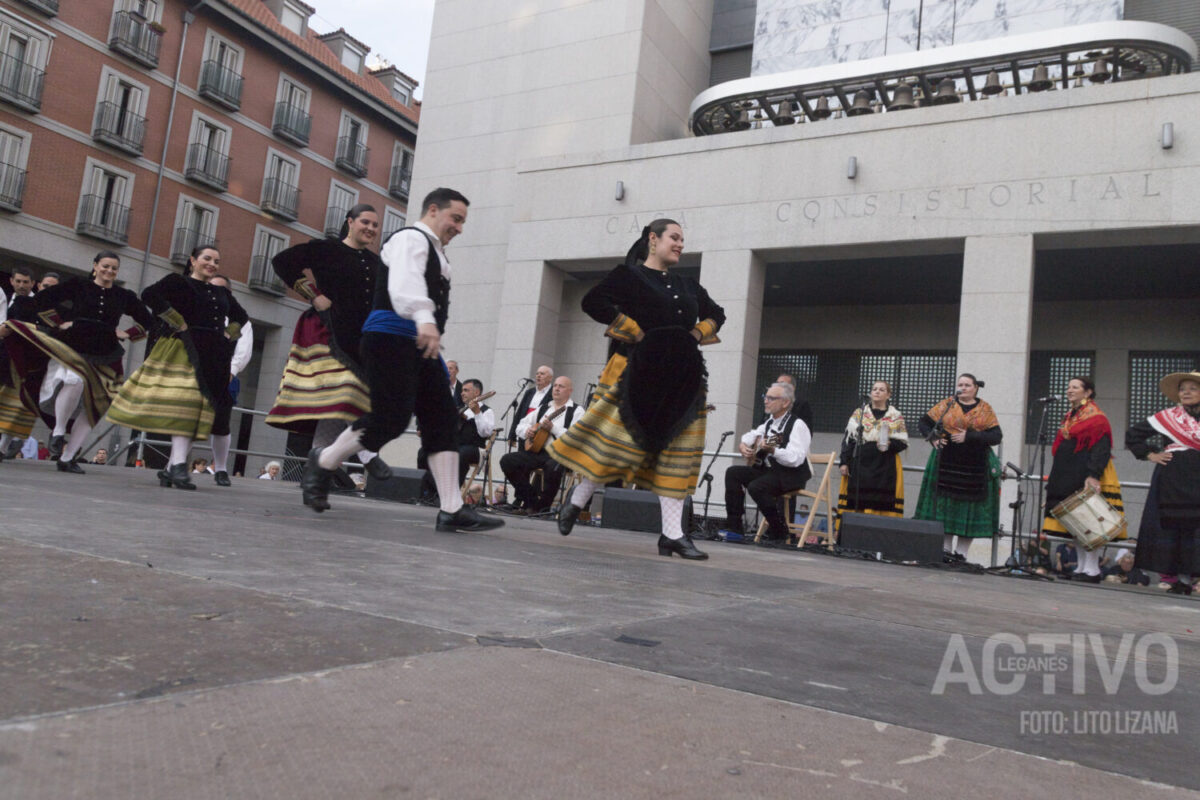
[(342, 33), (312, 46)]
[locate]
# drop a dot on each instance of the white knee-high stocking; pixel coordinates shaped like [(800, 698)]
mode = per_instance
[(64, 405), (220, 448), (344, 446), (672, 516), (444, 466), (79, 434), (181, 447)]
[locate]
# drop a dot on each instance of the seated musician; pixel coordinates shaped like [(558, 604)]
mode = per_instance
[(552, 421), (776, 454), (476, 421)]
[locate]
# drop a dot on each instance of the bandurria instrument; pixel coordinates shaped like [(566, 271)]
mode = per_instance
[(479, 399)]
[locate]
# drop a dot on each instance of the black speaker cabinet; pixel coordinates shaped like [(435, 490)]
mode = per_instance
[(637, 510), (894, 538), (403, 487)]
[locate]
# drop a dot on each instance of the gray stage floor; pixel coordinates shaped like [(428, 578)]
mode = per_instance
[(230, 643)]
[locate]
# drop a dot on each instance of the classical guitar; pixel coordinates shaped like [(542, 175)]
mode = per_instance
[(763, 448), (540, 438)]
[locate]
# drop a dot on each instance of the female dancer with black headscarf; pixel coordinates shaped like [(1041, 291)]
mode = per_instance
[(645, 424)]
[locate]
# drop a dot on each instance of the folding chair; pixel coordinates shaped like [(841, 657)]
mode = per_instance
[(823, 495)]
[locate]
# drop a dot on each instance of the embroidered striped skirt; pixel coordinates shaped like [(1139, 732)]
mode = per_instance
[(974, 519), (15, 419), (31, 350), (163, 395), (315, 384), (599, 447)]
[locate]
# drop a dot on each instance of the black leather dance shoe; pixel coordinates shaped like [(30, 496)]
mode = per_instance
[(685, 547), (379, 469), (70, 466), (568, 515), (222, 478), (1180, 587), (55, 447), (466, 520), (315, 482), (177, 476), (1083, 577)]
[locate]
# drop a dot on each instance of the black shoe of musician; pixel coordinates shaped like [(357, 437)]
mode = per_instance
[(178, 477), (466, 520), (70, 466), (1083, 577), (378, 469), (684, 546), (315, 483), (57, 443), (222, 478)]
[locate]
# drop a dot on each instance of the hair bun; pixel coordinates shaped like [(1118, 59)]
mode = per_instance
[(980, 384)]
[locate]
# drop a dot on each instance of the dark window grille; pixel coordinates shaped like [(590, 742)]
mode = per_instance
[(1146, 369), (48, 7), (219, 83), (12, 186), (1049, 372), (292, 123), (334, 217), (188, 239), (136, 37), (399, 184), (120, 127), (352, 156), (280, 198), (208, 166), (263, 277), (21, 83), (100, 218), (834, 381)]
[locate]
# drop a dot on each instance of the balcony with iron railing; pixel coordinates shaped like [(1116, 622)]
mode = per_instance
[(221, 85), (186, 240), (48, 7), (292, 123), (281, 199), (263, 277), (21, 83), (352, 156), (12, 186), (135, 36), (400, 182), (119, 127), (334, 217), (208, 166), (101, 218)]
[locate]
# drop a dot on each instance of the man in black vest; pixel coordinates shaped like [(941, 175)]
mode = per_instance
[(476, 423), (780, 464), (536, 396), (400, 354), (519, 465)]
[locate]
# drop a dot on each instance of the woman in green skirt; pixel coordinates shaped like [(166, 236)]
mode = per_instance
[(181, 390)]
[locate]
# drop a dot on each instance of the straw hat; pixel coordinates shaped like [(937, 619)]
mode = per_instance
[(1170, 384)]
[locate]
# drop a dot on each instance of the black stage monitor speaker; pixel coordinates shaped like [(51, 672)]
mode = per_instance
[(403, 487), (637, 510), (894, 538)]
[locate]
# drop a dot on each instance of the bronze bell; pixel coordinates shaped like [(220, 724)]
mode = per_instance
[(742, 123), (902, 98), (861, 105), (945, 93), (1041, 79), (1100, 72), (784, 114), (992, 85), (822, 109)]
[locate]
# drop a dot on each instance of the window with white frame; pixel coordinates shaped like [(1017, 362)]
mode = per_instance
[(267, 244), (292, 120), (401, 176), (195, 225), (13, 152), (221, 72), (281, 192), (150, 10), (293, 93), (292, 18), (24, 51), (120, 111), (208, 152), (393, 221), (342, 198), (352, 144), (104, 202), (352, 58)]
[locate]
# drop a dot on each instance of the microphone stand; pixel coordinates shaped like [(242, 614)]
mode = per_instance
[(1039, 463), (522, 385), (858, 446), (707, 480), (1013, 567)]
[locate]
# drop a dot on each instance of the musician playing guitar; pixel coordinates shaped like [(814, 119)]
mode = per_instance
[(476, 421), (776, 454), (540, 426)]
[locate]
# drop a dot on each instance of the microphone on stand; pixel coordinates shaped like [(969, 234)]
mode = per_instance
[(1050, 398), (726, 433), (526, 381)]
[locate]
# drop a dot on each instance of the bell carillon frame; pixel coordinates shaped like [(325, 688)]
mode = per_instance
[(1063, 58)]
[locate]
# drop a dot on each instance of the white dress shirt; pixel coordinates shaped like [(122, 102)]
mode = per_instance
[(536, 399), (557, 428), (243, 349), (485, 421), (796, 451), (3, 306), (405, 255)]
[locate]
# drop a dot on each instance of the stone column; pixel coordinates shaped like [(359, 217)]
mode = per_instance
[(734, 280), (995, 320)]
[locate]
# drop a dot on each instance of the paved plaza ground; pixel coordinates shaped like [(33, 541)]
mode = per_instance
[(229, 643)]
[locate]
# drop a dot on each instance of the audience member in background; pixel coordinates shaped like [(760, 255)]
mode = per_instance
[(1066, 559), (1037, 554), (1123, 571), (199, 466), (101, 456), (271, 471)]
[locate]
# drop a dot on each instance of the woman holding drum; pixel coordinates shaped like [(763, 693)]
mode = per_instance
[(1169, 537), (1082, 467)]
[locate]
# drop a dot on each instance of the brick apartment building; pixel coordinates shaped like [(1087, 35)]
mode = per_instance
[(148, 126)]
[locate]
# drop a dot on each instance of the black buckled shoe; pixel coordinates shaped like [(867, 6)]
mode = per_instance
[(179, 478), (222, 478), (70, 466), (55, 447), (684, 546), (378, 469), (568, 515), (466, 520), (315, 482)]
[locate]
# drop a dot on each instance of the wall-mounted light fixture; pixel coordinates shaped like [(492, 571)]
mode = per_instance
[(1168, 135), (852, 168), (620, 193)]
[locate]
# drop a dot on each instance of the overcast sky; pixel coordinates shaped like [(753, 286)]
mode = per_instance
[(397, 30)]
